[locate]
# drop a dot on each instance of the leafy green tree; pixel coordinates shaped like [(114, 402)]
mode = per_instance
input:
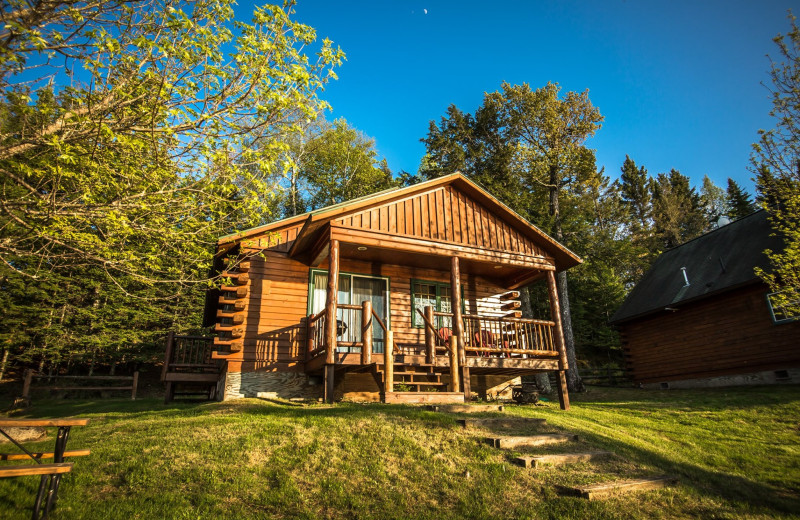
[(340, 164), (677, 210), (527, 147), (777, 168), (134, 133), (738, 200)]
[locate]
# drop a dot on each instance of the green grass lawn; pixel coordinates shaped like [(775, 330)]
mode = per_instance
[(736, 453)]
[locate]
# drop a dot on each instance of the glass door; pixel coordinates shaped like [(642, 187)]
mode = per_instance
[(353, 289)]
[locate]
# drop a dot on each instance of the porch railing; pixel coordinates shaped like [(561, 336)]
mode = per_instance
[(355, 327), (315, 334), (494, 336), (189, 354), (490, 336)]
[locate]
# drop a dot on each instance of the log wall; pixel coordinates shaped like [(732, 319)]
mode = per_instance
[(277, 305), (731, 333)]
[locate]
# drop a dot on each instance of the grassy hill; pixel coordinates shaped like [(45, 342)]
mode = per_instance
[(736, 453)]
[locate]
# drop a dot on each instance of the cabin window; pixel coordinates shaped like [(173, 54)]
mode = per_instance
[(782, 311), (353, 289), (430, 294)]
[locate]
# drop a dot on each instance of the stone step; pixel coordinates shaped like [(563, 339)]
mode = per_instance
[(500, 422), (622, 486), (537, 461), (468, 408), (530, 440)]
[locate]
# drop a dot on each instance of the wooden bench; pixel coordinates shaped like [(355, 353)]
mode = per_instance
[(35, 469), (50, 473)]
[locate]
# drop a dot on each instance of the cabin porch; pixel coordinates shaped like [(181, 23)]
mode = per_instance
[(457, 344)]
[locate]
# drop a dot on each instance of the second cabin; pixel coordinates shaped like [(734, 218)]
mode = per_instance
[(408, 295)]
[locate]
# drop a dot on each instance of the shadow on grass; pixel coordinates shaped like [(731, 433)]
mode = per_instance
[(762, 497)]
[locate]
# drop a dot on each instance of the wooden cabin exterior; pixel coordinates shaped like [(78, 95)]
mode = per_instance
[(424, 276), (715, 326)]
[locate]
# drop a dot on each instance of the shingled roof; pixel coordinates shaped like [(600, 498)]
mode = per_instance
[(718, 261)]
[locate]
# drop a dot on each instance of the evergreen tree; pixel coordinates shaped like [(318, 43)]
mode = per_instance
[(636, 188), (738, 201), (677, 210)]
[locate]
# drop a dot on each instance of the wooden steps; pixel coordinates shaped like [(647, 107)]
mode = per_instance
[(537, 461), (468, 408), (606, 489), (422, 397), (500, 422), (531, 440)]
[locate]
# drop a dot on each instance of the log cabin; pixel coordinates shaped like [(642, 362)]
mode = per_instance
[(407, 295), (701, 317)]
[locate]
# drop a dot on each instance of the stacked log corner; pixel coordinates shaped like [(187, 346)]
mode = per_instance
[(229, 327)]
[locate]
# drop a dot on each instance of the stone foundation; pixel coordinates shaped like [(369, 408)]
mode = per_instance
[(283, 385), (769, 377)]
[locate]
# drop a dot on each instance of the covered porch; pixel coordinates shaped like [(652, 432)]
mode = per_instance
[(455, 343)]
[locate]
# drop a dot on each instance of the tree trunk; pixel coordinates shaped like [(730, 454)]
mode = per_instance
[(4, 363), (574, 382), (542, 380)]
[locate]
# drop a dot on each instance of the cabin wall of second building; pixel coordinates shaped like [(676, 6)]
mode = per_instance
[(274, 341), (723, 335)]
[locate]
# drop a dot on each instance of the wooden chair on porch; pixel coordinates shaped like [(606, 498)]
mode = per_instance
[(487, 339)]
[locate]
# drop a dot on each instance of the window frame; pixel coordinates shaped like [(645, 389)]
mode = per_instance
[(310, 293), (775, 319), (416, 320)]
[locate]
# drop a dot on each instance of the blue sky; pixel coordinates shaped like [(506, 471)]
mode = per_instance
[(679, 82)]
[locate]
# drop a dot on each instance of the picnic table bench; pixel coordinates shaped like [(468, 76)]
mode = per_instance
[(50, 473)]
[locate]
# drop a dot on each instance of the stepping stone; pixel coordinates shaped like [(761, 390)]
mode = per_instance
[(537, 461), (623, 486), (531, 440), (467, 408), (500, 422)]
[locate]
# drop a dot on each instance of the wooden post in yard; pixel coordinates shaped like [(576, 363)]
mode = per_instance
[(135, 385), (168, 354), (388, 363), (454, 373), (563, 365), (26, 386), (330, 321), (430, 341), (366, 332), (458, 323)]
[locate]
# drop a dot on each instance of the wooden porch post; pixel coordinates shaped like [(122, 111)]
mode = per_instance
[(330, 320), (388, 363), (563, 365), (458, 323), (366, 332), (430, 341), (454, 383)]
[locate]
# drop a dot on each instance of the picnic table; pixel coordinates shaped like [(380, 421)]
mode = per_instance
[(50, 473)]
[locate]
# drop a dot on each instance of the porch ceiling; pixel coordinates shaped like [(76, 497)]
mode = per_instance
[(505, 275)]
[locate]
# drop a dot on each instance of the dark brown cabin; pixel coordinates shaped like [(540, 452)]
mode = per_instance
[(425, 275), (701, 317)]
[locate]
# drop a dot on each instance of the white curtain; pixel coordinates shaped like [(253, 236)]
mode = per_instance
[(353, 290), (373, 290)]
